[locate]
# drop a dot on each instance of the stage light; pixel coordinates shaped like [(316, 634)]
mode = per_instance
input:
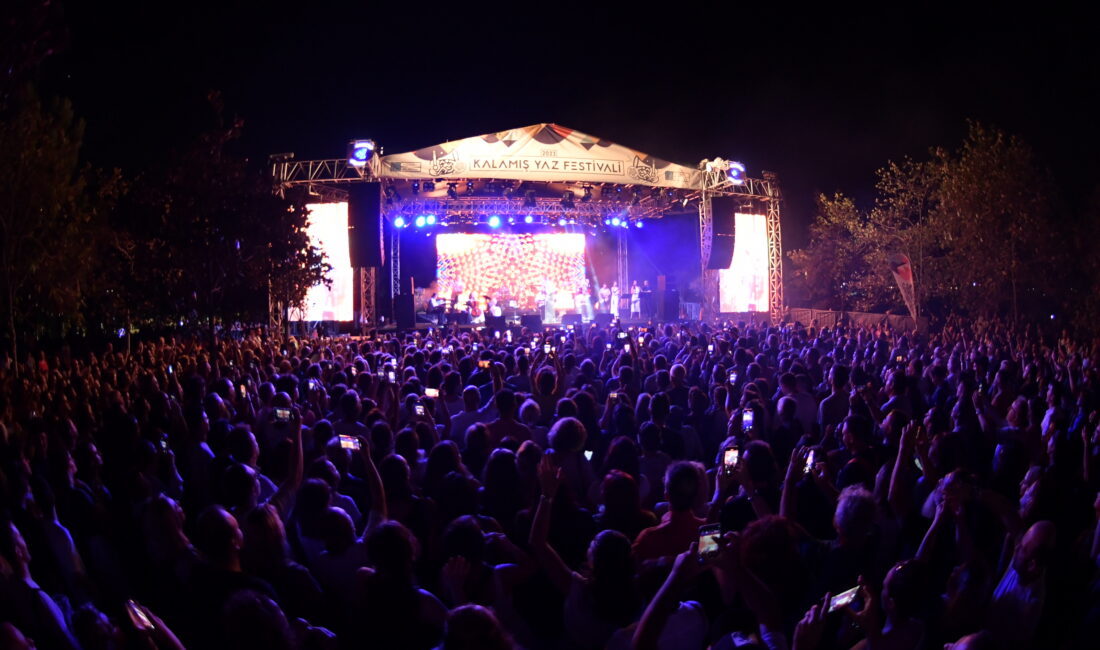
[(431, 219), (606, 221), (359, 152), (567, 199), (736, 173), (429, 186), (561, 222), (416, 187), (615, 221), (637, 224), (421, 221), (625, 224), (587, 196), (511, 220), (452, 190), (529, 199), (529, 219), (494, 221), (469, 187), (399, 222)]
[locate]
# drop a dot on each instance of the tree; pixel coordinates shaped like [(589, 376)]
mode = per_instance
[(209, 241), (52, 212), (975, 224)]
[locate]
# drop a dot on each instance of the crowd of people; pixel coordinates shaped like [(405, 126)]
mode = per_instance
[(679, 486)]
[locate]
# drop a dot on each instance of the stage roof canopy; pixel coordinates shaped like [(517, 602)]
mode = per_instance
[(540, 152)]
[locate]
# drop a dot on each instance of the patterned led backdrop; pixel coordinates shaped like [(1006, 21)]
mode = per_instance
[(516, 265)]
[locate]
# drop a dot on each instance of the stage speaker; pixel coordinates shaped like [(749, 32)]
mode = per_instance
[(668, 305), (532, 322), (458, 318), (404, 311), (722, 238), (496, 324), (571, 319), (603, 320), (721, 252), (365, 225)]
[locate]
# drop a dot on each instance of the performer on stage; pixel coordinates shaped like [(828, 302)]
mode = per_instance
[(615, 300), (605, 299), (647, 300), (435, 304), (635, 300)]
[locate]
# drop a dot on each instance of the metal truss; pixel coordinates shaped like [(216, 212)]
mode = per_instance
[(326, 180), (368, 308)]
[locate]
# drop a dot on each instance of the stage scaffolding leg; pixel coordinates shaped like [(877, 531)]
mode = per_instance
[(368, 308), (708, 280), (775, 250), (623, 268)]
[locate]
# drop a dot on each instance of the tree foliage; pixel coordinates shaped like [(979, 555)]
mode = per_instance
[(976, 224)]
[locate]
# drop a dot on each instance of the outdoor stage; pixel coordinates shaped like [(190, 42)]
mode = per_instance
[(536, 220)]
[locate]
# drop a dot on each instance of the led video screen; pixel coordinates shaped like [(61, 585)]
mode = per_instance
[(328, 231), (513, 268), (743, 287)]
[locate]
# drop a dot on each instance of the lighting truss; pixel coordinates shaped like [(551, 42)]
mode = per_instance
[(474, 210)]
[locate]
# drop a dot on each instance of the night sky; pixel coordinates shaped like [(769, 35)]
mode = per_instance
[(821, 98)]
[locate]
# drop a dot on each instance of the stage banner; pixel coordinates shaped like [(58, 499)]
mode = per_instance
[(540, 152), (903, 275)]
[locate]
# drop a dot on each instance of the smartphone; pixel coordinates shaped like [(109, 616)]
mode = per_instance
[(733, 377), (483, 364), (626, 348), (710, 348), (588, 455), (349, 442), (900, 359), (431, 392), (622, 335), (708, 540), (164, 444), (352, 370), (138, 616), (282, 414), (242, 390), (920, 465), (843, 598), (314, 385), (730, 457), (611, 397), (809, 463), (608, 346), (419, 410), (546, 348), (746, 419), (497, 334), (475, 347), (509, 336), (171, 369), (391, 377)]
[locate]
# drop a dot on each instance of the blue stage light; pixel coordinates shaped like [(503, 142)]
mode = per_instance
[(431, 219), (615, 221), (561, 222), (421, 221), (607, 222), (736, 173), (625, 224), (529, 219), (359, 152), (399, 222), (637, 224), (494, 221)]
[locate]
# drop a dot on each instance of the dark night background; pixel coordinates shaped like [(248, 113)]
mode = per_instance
[(821, 98)]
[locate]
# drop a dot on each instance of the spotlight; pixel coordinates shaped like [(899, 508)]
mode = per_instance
[(359, 152), (529, 219), (615, 221), (587, 196), (431, 219), (529, 199), (638, 193), (625, 223), (452, 190), (670, 195), (606, 221), (561, 222), (429, 186), (494, 221), (399, 222), (416, 187), (637, 224), (736, 173), (469, 187), (421, 221), (567, 199)]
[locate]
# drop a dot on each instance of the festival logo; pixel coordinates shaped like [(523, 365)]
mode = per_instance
[(641, 171), (445, 166)]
